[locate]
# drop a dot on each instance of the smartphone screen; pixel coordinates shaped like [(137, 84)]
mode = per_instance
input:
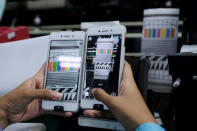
[(102, 64), (63, 70)]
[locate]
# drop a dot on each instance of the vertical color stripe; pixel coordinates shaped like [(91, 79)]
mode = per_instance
[(158, 33), (154, 33), (54, 66), (168, 33), (172, 33), (149, 33), (106, 51), (110, 52), (58, 66), (145, 33), (99, 51), (63, 69), (71, 69), (163, 33), (50, 67), (67, 68)]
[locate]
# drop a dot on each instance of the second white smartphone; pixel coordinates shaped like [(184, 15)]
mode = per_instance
[(64, 70), (104, 59)]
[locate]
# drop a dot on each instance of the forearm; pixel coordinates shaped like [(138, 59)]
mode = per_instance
[(131, 118), (3, 116), (141, 114), (133, 111), (136, 110)]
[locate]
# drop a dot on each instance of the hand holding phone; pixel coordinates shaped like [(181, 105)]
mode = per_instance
[(64, 69), (104, 53), (129, 107)]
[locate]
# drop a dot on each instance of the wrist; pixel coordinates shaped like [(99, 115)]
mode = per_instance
[(3, 117)]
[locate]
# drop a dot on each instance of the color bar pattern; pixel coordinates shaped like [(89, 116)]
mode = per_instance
[(159, 33), (56, 67), (104, 51)]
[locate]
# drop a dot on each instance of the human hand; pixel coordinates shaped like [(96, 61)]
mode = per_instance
[(24, 102), (129, 107)]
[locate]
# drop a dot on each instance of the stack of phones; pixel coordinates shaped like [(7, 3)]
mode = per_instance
[(80, 61)]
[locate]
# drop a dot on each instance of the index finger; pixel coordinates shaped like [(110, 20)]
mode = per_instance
[(39, 76), (97, 113)]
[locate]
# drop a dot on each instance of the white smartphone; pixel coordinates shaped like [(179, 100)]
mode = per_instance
[(104, 59), (64, 70)]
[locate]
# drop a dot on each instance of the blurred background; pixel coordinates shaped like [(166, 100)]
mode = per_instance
[(61, 12), (44, 16)]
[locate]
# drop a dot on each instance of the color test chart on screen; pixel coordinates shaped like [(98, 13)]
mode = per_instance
[(64, 68), (102, 64)]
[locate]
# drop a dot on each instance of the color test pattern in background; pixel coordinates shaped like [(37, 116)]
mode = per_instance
[(56, 66), (104, 51), (159, 33)]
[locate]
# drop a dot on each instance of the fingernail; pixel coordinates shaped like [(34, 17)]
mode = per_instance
[(57, 95)]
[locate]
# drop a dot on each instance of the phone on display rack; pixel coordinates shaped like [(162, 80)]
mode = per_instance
[(104, 60), (64, 70)]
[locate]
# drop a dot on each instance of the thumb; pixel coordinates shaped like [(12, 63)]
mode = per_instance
[(102, 96), (46, 94)]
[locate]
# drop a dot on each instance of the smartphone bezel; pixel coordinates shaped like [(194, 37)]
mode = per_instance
[(64, 36), (88, 104)]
